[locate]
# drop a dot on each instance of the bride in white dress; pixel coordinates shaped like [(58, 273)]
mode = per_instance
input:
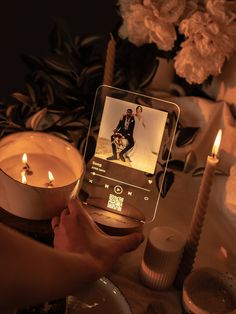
[(141, 156)]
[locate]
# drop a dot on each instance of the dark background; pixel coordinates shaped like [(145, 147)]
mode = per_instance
[(25, 26)]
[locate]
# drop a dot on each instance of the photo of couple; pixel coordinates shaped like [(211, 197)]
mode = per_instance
[(132, 140)]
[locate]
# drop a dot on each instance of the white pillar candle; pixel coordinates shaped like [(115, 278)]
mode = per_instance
[(161, 258)]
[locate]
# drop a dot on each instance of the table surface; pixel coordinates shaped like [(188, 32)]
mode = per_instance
[(217, 245), (176, 210)]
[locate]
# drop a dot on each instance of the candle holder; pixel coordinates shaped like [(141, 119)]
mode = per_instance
[(34, 199), (125, 174), (114, 223), (207, 290)]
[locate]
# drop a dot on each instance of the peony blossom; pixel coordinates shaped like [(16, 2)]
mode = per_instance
[(133, 27), (221, 10), (194, 67), (208, 28), (141, 26), (191, 6), (160, 33), (168, 11), (206, 34), (125, 5)]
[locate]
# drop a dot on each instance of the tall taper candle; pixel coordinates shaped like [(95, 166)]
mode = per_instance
[(110, 62), (191, 246)]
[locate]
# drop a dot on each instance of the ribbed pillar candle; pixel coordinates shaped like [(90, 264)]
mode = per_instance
[(161, 258)]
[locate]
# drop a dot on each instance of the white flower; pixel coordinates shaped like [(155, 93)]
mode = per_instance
[(190, 7), (194, 67), (161, 33), (133, 27), (221, 10), (141, 26), (195, 24), (207, 35), (209, 28), (168, 11), (125, 5), (231, 32)]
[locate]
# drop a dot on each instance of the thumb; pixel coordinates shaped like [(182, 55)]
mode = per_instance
[(130, 242)]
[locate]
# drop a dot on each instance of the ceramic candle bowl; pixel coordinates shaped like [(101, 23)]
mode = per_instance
[(38, 198), (207, 290)]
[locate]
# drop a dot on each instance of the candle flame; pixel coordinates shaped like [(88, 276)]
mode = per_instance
[(50, 176), (216, 146), (23, 178), (224, 252), (24, 158)]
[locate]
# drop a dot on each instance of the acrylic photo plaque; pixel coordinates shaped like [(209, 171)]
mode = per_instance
[(125, 171)]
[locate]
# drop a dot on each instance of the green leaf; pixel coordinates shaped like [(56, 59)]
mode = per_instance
[(186, 136), (89, 40), (149, 175), (74, 125), (165, 153), (119, 78), (71, 97), (175, 165), (4, 123), (22, 98), (55, 39), (50, 94), (9, 111), (58, 63), (77, 41), (167, 182), (137, 62), (198, 172), (2, 117), (92, 69), (31, 93), (61, 135), (149, 76), (32, 62), (34, 121), (61, 80), (60, 130), (25, 110), (190, 161), (90, 149), (69, 48)]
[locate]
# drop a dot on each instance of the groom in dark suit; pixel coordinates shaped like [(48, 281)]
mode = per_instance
[(126, 128)]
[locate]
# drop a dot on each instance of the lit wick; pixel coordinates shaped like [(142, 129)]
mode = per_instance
[(216, 146), (23, 178), (26, 167), (50, 178)]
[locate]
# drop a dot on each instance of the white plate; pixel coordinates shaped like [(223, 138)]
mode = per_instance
[(101, 297)]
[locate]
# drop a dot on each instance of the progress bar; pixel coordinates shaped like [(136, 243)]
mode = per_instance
[(135, 186)]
